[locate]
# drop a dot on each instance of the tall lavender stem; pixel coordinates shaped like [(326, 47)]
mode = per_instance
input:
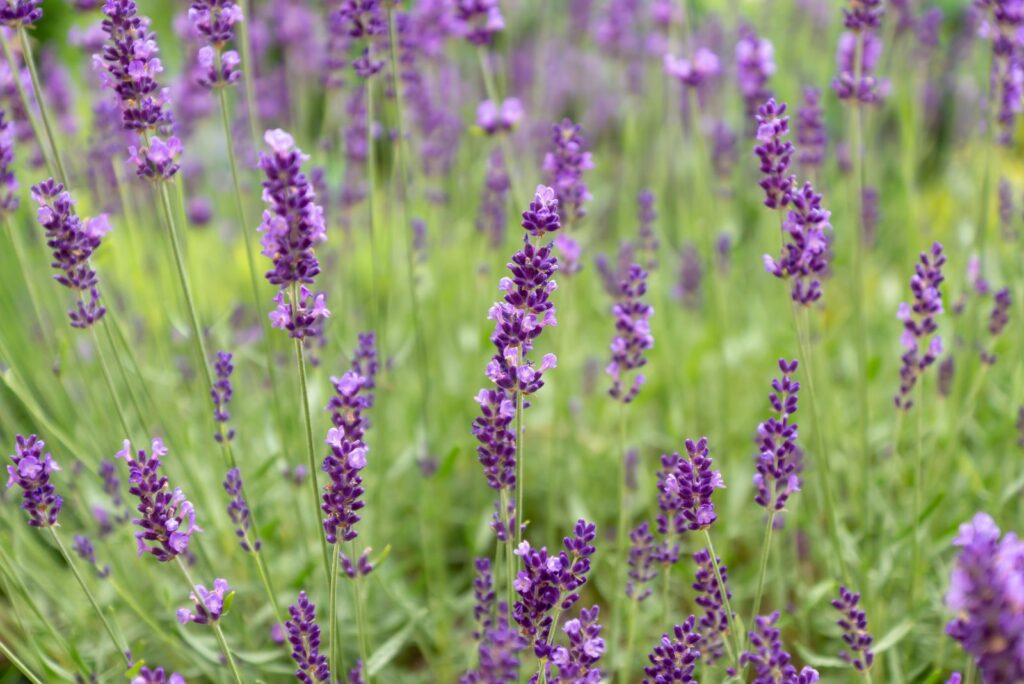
[(30, 63), (27, 104)]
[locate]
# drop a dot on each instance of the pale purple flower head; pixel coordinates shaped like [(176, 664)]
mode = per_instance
[(496, 118), (16, 13), (209, 603), (632, 334), (693, 72), (775, 154), (31, 472)]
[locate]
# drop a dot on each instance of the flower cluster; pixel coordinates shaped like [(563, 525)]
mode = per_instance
[(128, 65), (714, 623), (985, 598), (221, 395), (498, 652), (8, 183), (919, 340), (302, 318), (811, 136), (366, 364), (997, 320), (72, 242), (209, 604), (693, 72), (775, 154), (577, 663), (293, 223), (1001, 23), (521, 316), (551, 582), (675, 658), (360, 20), (341, 497), (87, 552), (755, 64), (238, 509), (777, 477), (857, 81), (494, 117), (166, 519), (217, 70), (158, 160), (16, 13), (771, 663), (685, 486), (805, 256), (632, 334), (156, 676), (647, 242), (642, 551), (565, 164), (690, 276), (854, 623), (478, 20), (304, 637), (31, 472), (492, 216)]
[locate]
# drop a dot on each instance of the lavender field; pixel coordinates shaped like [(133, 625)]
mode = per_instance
[(494, 341)]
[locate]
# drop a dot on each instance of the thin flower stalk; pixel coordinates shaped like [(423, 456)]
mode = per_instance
[(215, 625)]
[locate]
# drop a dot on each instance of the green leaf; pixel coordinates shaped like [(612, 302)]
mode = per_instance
[(893, 636), (817, 660), (228, 600), (390, 648)]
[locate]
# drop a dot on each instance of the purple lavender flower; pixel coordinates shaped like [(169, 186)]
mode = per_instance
[(9, 201), (674, 659), (355, 675), (804, 258), (550, 582), (565, 165), (578, 661), (693, 72), (500, 645), (685, 487), (854, 623), (998, 319), (776, 478), (85, 550), (984, 595), (215, 20), (1001, 23), (1005, 207), (919, 340), (72, 242), (775, 154), (31, 472), (497, 443), (492, 215), (570, 250), (157, 676), (293, 223), (304, 318), (221, 394), (647, 241), (210, 74), (723, 151), (129, 65), (869, 215), (17, 13), (166, 519), (642, 552), (755, 64), (858, 81), (494, 118), (483, 595), (304, 637), (772, 664), (632, 334), (341, 497), (209, 603), (478, 21), (947, 369), (361, 20), (365, 363), (238, 509), (691, 274), (811, 136), (158, 160), (714, 623)]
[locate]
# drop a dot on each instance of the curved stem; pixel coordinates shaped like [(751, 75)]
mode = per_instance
[(27, 104), (763, 569), (245, 45), (101, 355), (30, 63), (9, 654), (123, 650)]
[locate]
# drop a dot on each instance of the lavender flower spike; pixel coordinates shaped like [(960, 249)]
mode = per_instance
[(72, 242), (675, 658), (166, 519), (238, 509), (8, 183), (685, 486), (919, 340), (209, 604), (771, 663), (31, 472), (777, 477), (565, 164), (714, 623), (984, 596), (304, 637), (341, 497), (87, 552), (804, 258), (633, 334), (997, 321), (157, 676), (775, 154), (221, 394), (17, 13), (854, 623)]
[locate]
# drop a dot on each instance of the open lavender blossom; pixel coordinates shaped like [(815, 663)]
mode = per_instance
[(675, 658), (805, 255), (632, 334), (777, 477), (31, 473), (209, 603), (685, 487)]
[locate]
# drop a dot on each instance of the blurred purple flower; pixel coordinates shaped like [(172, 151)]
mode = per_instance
[(919, 338)]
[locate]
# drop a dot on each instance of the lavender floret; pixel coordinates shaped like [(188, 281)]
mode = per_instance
[(31, 472)]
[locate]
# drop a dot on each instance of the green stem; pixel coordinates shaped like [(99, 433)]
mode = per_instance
[(101, 355), (33, 296), (245, 44), (122, 650), (825, 469), (506, 146), (763, 569), (621, 543), (520, 465), (918, 484), (357, 596), (214, 624), (314, 484), (136, 404), (510, 561), (627, 660), (332, 626), (735, 633), (27, 104), (375, 265), (41, 101), (9, 654)]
